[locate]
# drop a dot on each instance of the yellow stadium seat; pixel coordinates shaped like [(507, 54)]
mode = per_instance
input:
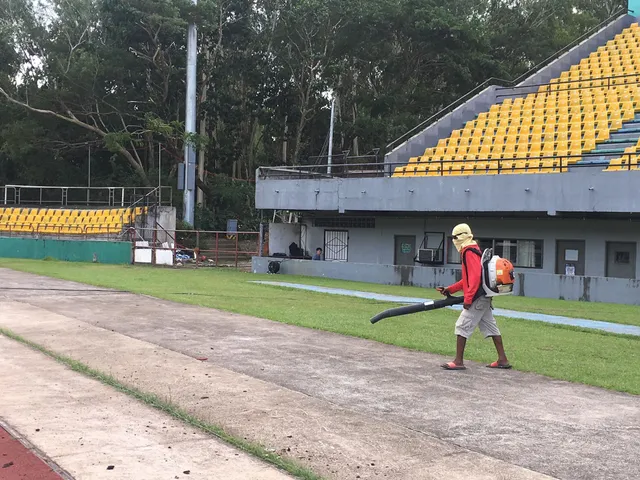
[(398, 172), (421, 171), (434, 170), (615, 124)]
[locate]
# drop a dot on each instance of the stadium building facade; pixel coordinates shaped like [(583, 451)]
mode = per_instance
[(545, 170)]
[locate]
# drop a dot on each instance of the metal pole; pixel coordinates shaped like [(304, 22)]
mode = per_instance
[(190, 124), (333, 104), (89, 177), (159, 174)]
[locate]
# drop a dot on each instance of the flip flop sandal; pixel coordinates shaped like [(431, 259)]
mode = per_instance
[(453, 366), (497, 365)]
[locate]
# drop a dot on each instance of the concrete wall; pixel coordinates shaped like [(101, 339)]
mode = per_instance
[(530, 284), (67, 250), (376, 245), (481, 102), (583, 190), (281, 235), (166, 218)]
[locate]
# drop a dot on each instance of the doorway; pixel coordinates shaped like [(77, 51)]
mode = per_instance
[(621, 260), (570, 257), (405, 250), (336, 245)]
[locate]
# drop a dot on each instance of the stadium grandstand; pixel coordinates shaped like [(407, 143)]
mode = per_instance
[(80, 222), (544, 169), (590, 108), (103, 212), (68, 222)]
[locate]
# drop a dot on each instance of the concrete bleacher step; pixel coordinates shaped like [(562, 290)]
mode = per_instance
[(630, 126), (630, 134), (627, 136), (615, 145), (610, 149), (627, 130), (603, 160)]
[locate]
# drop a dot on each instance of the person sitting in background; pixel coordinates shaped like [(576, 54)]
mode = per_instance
[(318, 254)]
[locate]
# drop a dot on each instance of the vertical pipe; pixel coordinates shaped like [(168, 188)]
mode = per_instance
[(196, 250), (216, 249), (284, 142), (133, 248), (237, 236), (89, 176), (159, 174), (190, 123), (154, 245), (333, 104)]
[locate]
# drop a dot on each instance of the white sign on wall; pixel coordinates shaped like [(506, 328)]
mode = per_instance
[(571, 255)]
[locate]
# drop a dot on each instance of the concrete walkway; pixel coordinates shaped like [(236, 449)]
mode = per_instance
[(94, 433), (501, 312), (346, 407)]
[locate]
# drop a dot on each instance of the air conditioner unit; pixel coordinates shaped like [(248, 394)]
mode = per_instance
[(427, 255)]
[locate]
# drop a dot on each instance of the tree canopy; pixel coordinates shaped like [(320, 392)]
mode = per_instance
[(109, 75)]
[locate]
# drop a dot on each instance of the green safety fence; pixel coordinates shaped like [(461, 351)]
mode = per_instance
[(67, 250)]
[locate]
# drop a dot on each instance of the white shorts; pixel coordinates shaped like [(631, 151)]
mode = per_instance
[(478, 315)]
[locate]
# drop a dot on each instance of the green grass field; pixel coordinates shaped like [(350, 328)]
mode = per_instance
[(590, 357)]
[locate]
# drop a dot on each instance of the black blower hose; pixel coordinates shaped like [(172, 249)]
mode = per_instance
[(418, 307)]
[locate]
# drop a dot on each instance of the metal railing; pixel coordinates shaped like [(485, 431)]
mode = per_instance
[(502, 82), (345, 157), (150, 199), (477, 166), (57, 231), (59, 196), (197, 248), (596, 82)]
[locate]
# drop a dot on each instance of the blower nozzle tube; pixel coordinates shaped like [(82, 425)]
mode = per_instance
[(418, 307)]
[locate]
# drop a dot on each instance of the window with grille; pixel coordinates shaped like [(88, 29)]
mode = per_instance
[(336, 245), (522, 253), (431, 251)]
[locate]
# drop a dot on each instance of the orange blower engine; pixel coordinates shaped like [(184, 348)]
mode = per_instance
[(497, 274)]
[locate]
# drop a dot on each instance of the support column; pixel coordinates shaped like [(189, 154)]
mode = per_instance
[(190, 126)]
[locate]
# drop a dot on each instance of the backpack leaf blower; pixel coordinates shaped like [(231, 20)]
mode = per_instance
[(418, 307), (497, 279)]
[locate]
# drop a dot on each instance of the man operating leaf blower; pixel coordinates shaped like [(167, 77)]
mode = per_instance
[(477, 311)]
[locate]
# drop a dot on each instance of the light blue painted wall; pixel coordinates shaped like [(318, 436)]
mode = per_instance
[(376, 246), (530, 284)]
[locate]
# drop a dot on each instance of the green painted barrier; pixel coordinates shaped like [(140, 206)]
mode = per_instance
[(67, 250)]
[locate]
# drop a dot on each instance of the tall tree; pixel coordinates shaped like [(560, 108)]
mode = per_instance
[(110, 75)]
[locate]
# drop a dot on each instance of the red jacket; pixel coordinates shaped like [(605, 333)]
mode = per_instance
[(471, 275)]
